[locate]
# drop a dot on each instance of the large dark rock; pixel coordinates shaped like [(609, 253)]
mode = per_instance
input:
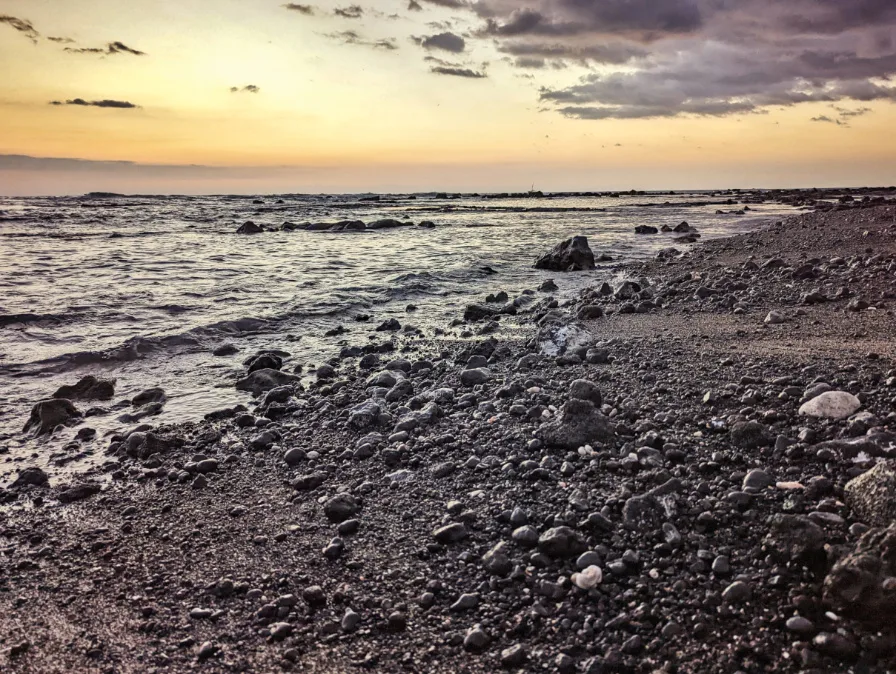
[(793, 536), (863, 583), (250, 228), (264, 380), (872, 495), (579, 423), (48, 414), (31, 476), (88, 388), (571, 255), (646, 229), (263, 361)]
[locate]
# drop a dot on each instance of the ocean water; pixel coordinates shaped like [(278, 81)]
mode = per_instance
[(142, 289)]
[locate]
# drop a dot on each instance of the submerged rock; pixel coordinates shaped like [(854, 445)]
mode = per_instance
[(250, 227), (571, 255)]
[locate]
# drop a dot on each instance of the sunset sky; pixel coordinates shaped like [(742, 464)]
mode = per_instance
[(415, 95)]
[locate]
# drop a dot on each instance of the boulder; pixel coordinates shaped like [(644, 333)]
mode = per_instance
[(474, 376), (264, 380), (88, 388), (48, 414), (646, 229), (31, 476), (831, 405), (861, 584), (793, 536), (150, 395), (571, 255), (872, 495), (750, 435), (578, 424), (263, 361)]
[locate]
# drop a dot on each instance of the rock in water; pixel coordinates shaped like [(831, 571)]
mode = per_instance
[(250, 227), (48, 414), (646, 229), (571, 255), (88, 388), (579, 424), (861, 584), (264, 380), (30, 476), (831, 405), (872, 496)]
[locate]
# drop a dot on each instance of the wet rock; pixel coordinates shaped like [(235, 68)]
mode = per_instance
[(144, 445), (227, 349), (646, 229), (548, 286), (48, 414), (264, 380), (863, 583), (391, 325), (579, 423), (263, 361), (250, 227), (872, 495), (831, 405), (590, 312), (570, 255), (32, 476), (88, 388)]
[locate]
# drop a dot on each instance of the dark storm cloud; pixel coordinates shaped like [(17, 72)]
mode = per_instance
[(109, 49), (451, 4), (105, 103), (615, 53), (445, 41), (24, 26), (458, 72), (249, 88), (301, 9), (61, 40), (350, 12), (414, 6)]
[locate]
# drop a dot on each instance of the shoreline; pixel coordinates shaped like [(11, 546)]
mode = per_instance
[(461, 527)]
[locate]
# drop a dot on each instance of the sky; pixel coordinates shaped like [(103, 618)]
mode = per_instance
[(232, 96)]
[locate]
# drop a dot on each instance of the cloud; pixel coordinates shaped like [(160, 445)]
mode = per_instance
[(414, 6), (249, 88), (458, 72), (109, 49), (352, 37), (24, 26), (445, 41), (105, 103), (451, 4), (61, 40), (301, 9), (350, 12), (822, 118)]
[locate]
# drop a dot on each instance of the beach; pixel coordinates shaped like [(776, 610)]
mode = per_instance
[(647, 474)]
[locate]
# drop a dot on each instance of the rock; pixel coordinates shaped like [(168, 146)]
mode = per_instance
[(872, 495), (250, 228), (831, 405), (465, 602), (48, 414), (582, 389), (78, 492), (571, 255), (646, 229), (579, 424), (799, 625), (475, 376), (794, 536), (32, 476), (862, 584), (350, 621), (476, 639), (857, 305), (548, 286), (88, 388), (589, 578), (144, 445), (514, 656), (561, 542), (775, 318), (341, 507), (683, 227), (227, 349), (263, 361), (757, 479), (450, 533), (294, 456), (737, 593), (149, 396), (750, 435), (496, 561), (364, 415), (391, 325), (590, 312), (264, 380)]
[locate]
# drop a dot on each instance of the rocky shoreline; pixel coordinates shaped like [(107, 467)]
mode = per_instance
[(660, 476)]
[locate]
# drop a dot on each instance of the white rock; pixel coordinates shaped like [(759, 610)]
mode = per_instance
[(831, 405), (589, 578), (775, 317)]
